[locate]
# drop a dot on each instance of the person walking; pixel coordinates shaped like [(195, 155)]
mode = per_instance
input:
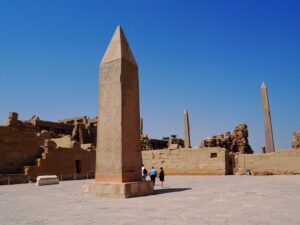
[(144, 172), (153, 175), (161, 176)]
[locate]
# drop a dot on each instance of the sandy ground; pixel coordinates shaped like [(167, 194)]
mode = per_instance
[(189, 200)]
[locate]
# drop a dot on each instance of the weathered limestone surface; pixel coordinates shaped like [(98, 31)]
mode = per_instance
[(47, 180), (174, 142), (296, 140), (267, 119), (13, 120), (64, 142), (187, 138), (119, 190), (215, 141), (240, 141), (81, 129), (19, 145), (62, 162), (25, 152), (119, 151), (275, 163), (118, 158), (203, 161), (236, 142)]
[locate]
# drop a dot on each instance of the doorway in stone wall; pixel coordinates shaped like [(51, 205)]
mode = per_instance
[(78, 166)]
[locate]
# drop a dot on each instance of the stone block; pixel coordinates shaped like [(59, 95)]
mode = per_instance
[(47, 180), (118, 190)]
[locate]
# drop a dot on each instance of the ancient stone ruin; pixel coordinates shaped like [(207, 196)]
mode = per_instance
[(296, 140), (235, 142), (36, 147), (240, 141)]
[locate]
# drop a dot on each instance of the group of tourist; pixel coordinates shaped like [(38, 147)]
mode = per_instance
[(153, 174)]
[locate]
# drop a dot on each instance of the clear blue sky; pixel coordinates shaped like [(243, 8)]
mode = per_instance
[(207, 56)]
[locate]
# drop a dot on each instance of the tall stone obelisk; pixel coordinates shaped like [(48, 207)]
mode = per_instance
[(187, 138), (267, 119), (141, 126), (118, 157)]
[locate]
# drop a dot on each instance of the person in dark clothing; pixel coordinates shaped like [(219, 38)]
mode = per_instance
[(162, 176), (144, 172)]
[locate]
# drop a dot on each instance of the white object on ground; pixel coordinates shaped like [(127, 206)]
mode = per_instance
[(47, 180)]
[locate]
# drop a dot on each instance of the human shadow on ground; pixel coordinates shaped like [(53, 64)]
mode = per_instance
[(169, 190)]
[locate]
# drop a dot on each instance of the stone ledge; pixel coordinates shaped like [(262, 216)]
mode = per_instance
[(118, 190)]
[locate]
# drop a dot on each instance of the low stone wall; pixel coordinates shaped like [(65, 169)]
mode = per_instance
[(202, 161), (9, 179), (276, 163)]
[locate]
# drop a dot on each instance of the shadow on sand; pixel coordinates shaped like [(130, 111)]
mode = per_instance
[(169, 190)]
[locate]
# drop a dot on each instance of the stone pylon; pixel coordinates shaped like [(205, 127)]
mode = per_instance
[(267, 119), (187, 138), (118, 157)]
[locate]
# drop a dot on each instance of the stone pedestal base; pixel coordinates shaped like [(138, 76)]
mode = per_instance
[(119, 190)]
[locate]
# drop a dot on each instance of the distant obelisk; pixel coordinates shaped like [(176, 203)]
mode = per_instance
[(142, 125), (187, 138), (267, 119), (118, 156)]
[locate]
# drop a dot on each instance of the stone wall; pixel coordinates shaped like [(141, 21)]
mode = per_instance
[(275, 163), (64, 161), (202, 161), (19, 145)]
